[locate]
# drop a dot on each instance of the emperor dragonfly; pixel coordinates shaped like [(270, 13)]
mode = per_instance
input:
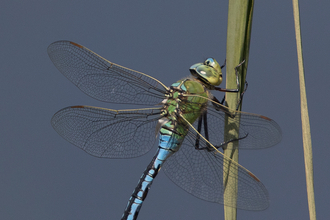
[(189, 159)]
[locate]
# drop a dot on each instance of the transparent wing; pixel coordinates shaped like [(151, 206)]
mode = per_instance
[(201, 173), (103, 80), (108, 133), (255, 131)]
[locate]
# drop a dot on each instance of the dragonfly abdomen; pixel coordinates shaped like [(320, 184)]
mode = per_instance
[(140, 192)]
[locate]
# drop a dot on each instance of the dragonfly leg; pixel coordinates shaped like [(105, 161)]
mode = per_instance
[(217, 101), (220, 107), (223, 65), (223, 100), (234, 90), (237, 81), (199, 128), (206, 131), (238, 86), (202, 118), (223, 144)]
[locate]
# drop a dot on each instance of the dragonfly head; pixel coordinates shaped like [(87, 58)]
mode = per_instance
[(208, 72)]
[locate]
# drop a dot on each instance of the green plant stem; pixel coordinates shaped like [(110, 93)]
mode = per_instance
[(238, 44)]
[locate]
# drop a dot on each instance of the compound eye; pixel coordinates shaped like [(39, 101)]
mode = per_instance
[(209, 62)]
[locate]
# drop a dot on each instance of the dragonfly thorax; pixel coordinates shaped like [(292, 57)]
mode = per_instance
[(185, 98)]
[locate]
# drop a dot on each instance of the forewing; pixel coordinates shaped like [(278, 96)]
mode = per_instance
[(108, 133), (103, 80)]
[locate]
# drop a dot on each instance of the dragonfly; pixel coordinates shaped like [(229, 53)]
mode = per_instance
[(184, 120)]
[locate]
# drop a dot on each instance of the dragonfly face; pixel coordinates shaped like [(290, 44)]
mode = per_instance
[(208, 72)]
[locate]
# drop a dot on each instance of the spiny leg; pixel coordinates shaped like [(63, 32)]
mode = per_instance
[(234, 90), (223, 65), (206, 131), (201, 119), (199, 128), (222, 145), (221, 107), (238, 86)]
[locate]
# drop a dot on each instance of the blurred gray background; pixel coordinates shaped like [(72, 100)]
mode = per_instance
[(45, 177)]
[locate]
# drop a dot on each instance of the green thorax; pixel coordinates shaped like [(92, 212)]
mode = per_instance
[(179, 102)]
